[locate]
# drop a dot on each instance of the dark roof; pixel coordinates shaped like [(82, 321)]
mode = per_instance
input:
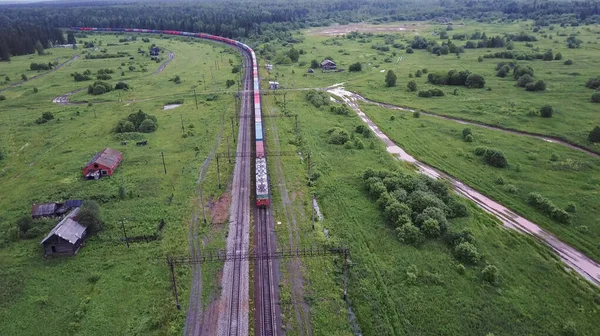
[(44, 209), (328, 62), (68, 229), (108, 157), (74, 203)]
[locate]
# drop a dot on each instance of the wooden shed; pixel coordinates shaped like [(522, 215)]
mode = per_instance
[(66, 237), (328, 65), (102, 164)]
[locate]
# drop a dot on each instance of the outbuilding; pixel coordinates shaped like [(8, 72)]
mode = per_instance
[(328, 65), (66, 237), (273, 85), (103, 164)]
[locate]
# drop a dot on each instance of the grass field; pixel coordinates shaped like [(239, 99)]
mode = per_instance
[(505, 105), (536, 295), (108, 288), (570, 177)]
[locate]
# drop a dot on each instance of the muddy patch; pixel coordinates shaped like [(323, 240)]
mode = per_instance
[(220, 208), (367, 28), (170, 106)]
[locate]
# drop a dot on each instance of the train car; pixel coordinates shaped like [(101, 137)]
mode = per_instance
[(262, 183), (259, 131), (260, 149)]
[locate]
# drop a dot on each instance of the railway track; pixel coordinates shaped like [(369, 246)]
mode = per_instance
[(265, 292)]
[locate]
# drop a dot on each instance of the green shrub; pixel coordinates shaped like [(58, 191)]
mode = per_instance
[(122, 86), (524, 80), (89, 216), (500, 180), (411, 86), (469, 138), (479, 151), (490, 274), (2, 97), (338, 136), (546, 111), (317, 98), (147, 126), (495, 158), (34, 232), (355, 67), (571, 208), (410, 234), (416, 114), (596, 97), (568, 62), (594, 135), (467, 252), (25, 223)]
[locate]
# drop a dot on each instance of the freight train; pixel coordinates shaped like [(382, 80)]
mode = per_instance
[(261, 176)]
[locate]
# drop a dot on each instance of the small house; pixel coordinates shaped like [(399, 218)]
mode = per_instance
[(66, 237), (269, 67), (311, 70), (328, 65), (273, 85), (154, 51), (102, 164)]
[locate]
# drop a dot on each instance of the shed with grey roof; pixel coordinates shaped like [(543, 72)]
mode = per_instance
[(66, 237)]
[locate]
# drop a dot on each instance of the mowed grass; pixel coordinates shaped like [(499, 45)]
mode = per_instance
[(505, 105), (107, 288), (570, 177), (536, 295)]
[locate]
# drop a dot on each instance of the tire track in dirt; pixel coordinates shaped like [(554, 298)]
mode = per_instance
[(582, 264), (58, 66)]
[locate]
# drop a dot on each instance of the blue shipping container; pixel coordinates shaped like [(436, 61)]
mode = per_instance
[(259, 131)]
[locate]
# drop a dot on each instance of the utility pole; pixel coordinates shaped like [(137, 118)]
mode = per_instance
[(232, 130), (202, 201), (308, 165), (195, 98), (313, 211), (163, 160), (95, 116), (124, 233), (284, 110), (228, 155), (182, 128), (204, 81), (218, 172), (174, 283)]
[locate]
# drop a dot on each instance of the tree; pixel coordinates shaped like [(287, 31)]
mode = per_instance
[(121, 86), (124, 126), (568, 62), (495, 158), (71, 38), (466, 131), (412, 86), (548, 56), (293, 54), (431, 228), (558, 56), (39, 48), (229, 83), (25, 223), (594, 135), (356, 67), (47, 116), (444, 50), (23, 77), (596, 97), (467, 252), (546, 111), (520, 70), (410, 234), (147, 126), (418, 73), (475, 81), (89, 216), (409, 50), (314, 64), (390, 79), (490, 274)]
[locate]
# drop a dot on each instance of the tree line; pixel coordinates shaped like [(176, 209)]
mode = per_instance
[(19, 38)]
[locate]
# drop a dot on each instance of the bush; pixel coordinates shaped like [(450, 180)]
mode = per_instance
[(229, 83), (390, 79), (593, 83), (35, 90), (338, 136), (432, 213), (467, 252), (89, 216), (490, 274), (466, 131), (571, 208), (524, 80), (342, 110), (34, 232), (410, 234), (480, 59), (356, 67), (431, 228), (2, 97), (594, 135), (495, 158), (568, 62), (479, 151), (546, 111), (121, 86), (469, 138), (545, 205), (596, 97), (558, 57), (521, 70), (416, 114), (419, 73), (412, 86), (103, 77), (317, 98), (124, 126), (99, 88), (475, 81), (147, 126), (409, 50), (25, 223), (537, 86)]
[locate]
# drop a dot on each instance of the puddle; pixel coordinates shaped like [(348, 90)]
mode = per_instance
[(171, 106)]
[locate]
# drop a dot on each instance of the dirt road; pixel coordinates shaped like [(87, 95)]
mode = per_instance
[(585, 266)]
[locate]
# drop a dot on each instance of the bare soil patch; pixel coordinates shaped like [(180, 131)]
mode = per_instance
[(220, 208)]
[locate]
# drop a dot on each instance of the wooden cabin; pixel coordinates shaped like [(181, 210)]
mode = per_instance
[(328, 65), (66, 237)]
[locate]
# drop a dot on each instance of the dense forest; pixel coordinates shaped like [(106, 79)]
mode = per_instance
[(21, 26)]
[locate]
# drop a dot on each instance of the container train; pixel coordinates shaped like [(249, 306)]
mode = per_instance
[(261, 176)]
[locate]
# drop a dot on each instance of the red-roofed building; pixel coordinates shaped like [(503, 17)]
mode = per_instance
[(102, 164)]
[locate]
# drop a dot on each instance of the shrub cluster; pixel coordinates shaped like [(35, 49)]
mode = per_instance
[(137, 122), (356, 67), (493, 157), (81, 77), (435, 92), (342, 109), (41, 66), (454, 77), (46, 116), (545, 205), (105, 55), (99, 88), (317, 98)]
